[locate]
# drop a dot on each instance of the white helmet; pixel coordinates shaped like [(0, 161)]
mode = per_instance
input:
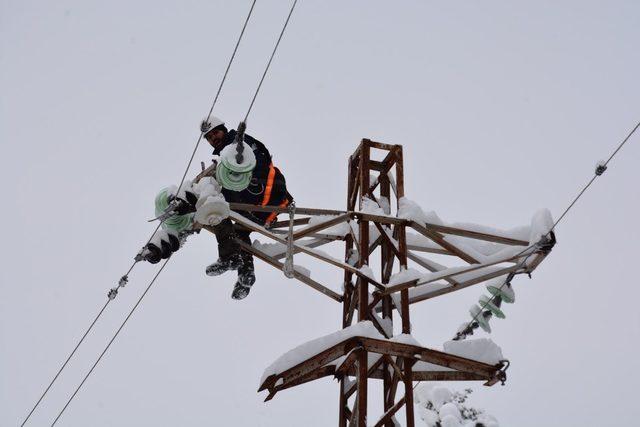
[(209, 123)]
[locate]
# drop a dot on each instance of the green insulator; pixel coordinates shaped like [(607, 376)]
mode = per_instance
[(229, 160), (478, 316), (487, 302), (232, 180), (234, 171), (176, 223), (503, 291)]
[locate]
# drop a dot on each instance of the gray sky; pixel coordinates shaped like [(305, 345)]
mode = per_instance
[(503, 107)]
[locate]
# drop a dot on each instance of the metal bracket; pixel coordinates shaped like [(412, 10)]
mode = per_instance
[(288, 267), (502, 373), (169, 211), (547, 243)]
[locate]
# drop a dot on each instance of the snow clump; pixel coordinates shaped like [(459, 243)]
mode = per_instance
[(440, 407)]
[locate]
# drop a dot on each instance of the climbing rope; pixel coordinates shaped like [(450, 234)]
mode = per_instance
[(543, 243), (124, 279)]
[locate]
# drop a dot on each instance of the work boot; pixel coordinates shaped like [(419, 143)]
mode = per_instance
[(224, 264), (246, 277)]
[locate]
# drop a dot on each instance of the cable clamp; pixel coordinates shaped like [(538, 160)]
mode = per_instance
[(113, 293), (140, 255), (172, 209), (123, 281), (546, 243), (600, 168)]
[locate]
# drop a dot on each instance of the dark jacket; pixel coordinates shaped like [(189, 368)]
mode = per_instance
[(268, 186)]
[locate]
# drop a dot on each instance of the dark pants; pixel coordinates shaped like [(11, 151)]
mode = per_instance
[(226, 233)]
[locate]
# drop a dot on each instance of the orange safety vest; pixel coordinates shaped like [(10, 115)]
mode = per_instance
[(267, 194)]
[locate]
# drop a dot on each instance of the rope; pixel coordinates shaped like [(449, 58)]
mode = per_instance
[(284, 27), (598, 172), (124, 279), (111, 341)]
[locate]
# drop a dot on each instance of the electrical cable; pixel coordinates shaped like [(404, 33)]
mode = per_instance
[(113, 292), (111, 341), (284, 27), (599, 170)]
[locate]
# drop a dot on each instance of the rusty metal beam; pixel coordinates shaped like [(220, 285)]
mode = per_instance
[(254, 227), (391, 412), (296, 221), (416, 283), (462, 285), (440, 240), (425, 264), (436, 357), (299, 210), (318, 227), (476, 235), (301, 277), (379, 145)]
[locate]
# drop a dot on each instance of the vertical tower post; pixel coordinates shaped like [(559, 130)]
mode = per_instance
[(363, 284), (357, 296)]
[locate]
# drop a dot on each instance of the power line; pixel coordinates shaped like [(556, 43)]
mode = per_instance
[(66, 361), (113, 292), (601, 167), (284, 27), (215, 100), (111, 341), (596, 174)]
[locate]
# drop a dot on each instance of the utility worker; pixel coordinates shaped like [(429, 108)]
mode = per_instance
[(266, 187)]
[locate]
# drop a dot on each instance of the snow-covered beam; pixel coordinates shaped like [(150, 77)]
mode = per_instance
[(310, 367), (478, 270), (440, 240), (301, 277), (318, 227), (456, 231), (428, 294), (316, 254)]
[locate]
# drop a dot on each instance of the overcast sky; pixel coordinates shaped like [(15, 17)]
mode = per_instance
[(502, 107)]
